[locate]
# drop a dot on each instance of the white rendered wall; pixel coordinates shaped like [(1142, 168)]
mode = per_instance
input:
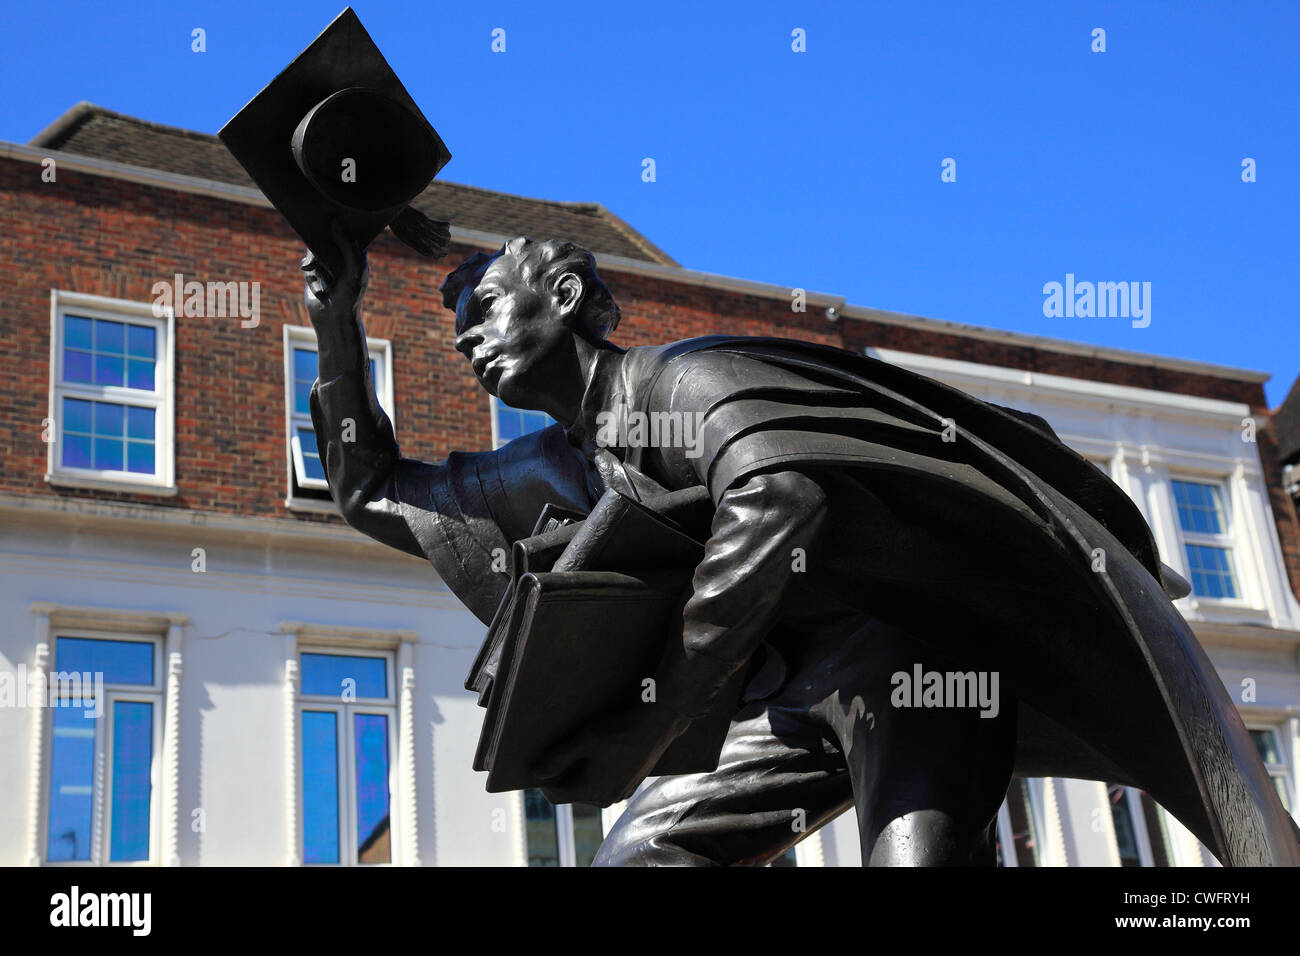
[(232, 740)]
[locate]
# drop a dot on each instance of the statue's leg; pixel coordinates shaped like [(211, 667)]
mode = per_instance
[(927, 780), (778, 779)]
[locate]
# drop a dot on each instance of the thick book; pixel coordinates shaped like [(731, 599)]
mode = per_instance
[(580, 631)]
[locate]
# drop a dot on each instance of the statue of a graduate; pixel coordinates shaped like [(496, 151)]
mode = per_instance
[(868, 522)]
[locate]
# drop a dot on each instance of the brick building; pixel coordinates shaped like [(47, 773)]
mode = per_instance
[(164, 520)]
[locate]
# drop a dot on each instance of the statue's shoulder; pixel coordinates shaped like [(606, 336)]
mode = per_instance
[(700, 371)]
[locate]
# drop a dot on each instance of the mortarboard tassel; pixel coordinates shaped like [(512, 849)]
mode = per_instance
[(428, 237)]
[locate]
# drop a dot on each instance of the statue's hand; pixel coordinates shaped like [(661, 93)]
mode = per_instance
[(607, 761), (335, 299)]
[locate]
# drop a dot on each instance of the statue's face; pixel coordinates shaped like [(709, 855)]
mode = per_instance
[(513, 336)]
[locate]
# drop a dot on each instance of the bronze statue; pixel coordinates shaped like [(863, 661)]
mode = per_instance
[(868, 523), (911, 592)]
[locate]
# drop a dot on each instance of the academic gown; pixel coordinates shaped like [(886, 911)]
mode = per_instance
[(970, 525)]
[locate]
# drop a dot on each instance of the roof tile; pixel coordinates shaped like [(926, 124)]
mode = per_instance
[(89, 130)]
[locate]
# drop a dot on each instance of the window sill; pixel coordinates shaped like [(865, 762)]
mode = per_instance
[(90, 482), (1223, 611), (311, 505)]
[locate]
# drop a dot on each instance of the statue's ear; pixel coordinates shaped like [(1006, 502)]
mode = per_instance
[(569, 291)]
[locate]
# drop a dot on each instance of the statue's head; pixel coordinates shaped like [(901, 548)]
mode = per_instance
[(521, 310)]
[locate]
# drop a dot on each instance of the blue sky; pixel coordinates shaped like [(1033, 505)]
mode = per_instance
[(818, 169)]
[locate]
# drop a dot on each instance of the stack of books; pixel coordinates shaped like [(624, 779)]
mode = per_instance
[(591, 607)]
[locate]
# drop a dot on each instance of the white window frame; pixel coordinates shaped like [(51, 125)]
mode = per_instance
[(1131, 798), (1282, 770), (494, 405), (344, 710), (163, 481), (304, 337), (566, 846), (1227, 540), (102, 781), (1034, 816)]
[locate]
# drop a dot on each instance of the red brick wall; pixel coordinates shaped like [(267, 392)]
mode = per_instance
[(102, 236), (1284, 507), (107, 237)]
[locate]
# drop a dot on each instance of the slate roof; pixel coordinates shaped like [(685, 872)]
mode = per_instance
[(89, 130)]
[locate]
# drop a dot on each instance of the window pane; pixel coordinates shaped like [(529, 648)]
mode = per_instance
[(304, 365), (370, 732), (543, 839), (324, 674), (311, 462), (588, 832), (109, 454), (1211, 570), (110, 369), (1200, 507), (76, 451), (110, 419), (77, 367), (139, 423), (77, 416), (1266, 744), (320, 787), (140, 457), (132, 760), (78, 333), (110, 337), (509, 425), (72, 779), (140, 341), (139, 374), (513, 422), (121, 662)]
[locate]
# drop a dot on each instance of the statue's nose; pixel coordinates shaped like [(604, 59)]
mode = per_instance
[(466, 341)]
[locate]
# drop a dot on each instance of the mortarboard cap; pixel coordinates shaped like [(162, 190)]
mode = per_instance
[(336, 137)]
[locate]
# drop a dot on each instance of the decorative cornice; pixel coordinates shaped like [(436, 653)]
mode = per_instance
[(307, 633), (107, 618)]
